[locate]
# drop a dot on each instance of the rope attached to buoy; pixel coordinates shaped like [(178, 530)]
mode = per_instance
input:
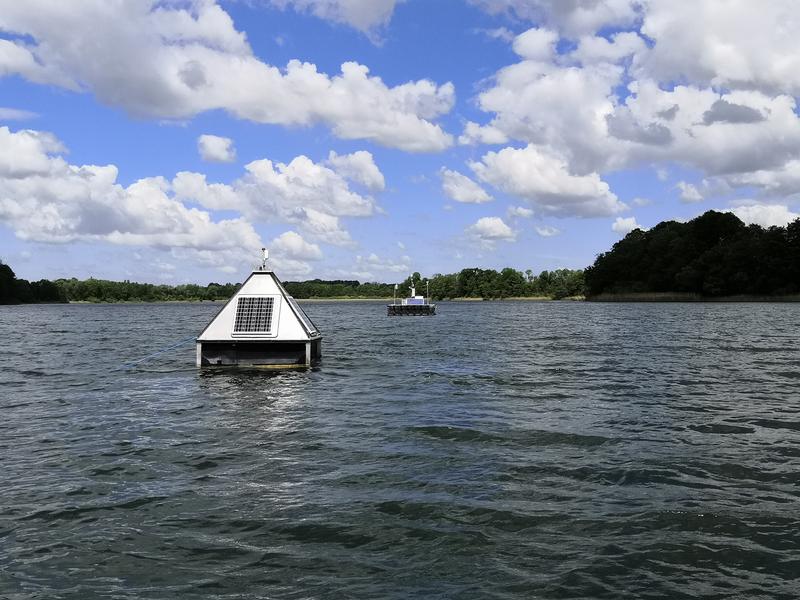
[(130, 365)]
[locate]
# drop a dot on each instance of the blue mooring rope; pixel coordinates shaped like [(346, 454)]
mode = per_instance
[(130, 365)]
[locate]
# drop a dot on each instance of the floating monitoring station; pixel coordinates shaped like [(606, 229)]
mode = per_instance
[(413, 306), (261, 326)]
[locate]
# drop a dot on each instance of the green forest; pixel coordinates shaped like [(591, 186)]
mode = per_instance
[(467, 283), (471, 283), (15, 291), (338, 288), (508, 283), (713, 255)]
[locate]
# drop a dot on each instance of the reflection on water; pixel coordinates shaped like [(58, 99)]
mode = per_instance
[(497, 450)]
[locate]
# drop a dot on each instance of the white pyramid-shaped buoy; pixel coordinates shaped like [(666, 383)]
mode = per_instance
[(261, 325)]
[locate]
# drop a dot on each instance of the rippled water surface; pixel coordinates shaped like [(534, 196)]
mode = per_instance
[(497, 450)]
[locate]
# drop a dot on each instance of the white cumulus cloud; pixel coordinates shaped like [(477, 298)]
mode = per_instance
[(573, 17), (359, 167), (561, 107), (27, 152), (177, 60), (488, 230), (782, 181), (547, 231), (44, 198), (214, 148), (732, 44), (707, 85), (292, 245), (689, 192), (545, 181), (364, 15), (536, 44), (766, 215), (290, 254), (519, 212), (461, 188), (624, 225), (312, 196)]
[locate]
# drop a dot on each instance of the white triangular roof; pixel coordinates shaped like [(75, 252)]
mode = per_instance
[(260, 310)]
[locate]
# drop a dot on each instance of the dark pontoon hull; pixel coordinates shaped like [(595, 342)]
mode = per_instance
[(410, 310), (243, 353)]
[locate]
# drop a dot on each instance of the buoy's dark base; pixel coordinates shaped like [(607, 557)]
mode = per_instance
[(258, 353), (411, 310)]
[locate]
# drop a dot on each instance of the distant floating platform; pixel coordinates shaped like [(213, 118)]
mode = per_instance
[(410, 310), (413, 306)]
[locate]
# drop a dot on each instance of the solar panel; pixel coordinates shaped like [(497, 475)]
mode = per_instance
[(303, 316), (254, 314)]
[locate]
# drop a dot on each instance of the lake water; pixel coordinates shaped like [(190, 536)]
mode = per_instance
[(496, 450)]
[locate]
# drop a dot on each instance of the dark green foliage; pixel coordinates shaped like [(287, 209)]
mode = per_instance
[(444, 286), (508, 283), (319, 288), (467, 283), (715, 254), (101, 290), (15, 291), (7, 285), (561, 283)]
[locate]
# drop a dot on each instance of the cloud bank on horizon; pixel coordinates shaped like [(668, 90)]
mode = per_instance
[(365, 138)]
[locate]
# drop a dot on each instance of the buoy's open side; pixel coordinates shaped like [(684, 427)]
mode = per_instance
[(257, 354)]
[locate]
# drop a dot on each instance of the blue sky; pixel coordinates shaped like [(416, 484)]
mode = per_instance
[(167, 141)]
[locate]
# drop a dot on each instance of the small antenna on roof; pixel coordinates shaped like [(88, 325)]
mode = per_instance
[(265, 252)]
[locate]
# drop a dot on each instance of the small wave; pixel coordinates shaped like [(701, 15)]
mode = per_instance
[(33, 372), (721, 428), (326, 534), (741, 473), (18, 405), (477, 516), (217, 524), (75, 513), (204, 463), (528, 437), (107, 470), (456, 434), (558, 438), (634, 476), (776, 424)]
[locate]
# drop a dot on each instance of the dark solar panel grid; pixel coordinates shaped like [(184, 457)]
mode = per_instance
[(254, 315)]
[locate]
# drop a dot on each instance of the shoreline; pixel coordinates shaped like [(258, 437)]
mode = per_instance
[(334, 299), (688, 297), (602, 298)]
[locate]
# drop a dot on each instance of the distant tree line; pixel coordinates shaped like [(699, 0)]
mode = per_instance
[(337, 288), (101, 290), (467, 283), (715, 254), (15, 291), (508, 283)]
